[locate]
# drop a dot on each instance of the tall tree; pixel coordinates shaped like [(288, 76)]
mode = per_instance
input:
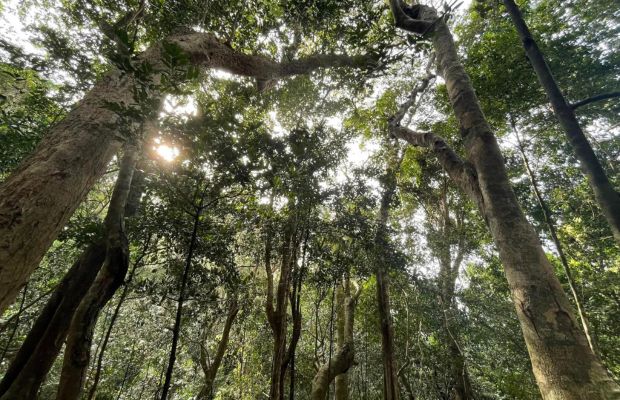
[(42, 194), (607, 196), (546, 316)]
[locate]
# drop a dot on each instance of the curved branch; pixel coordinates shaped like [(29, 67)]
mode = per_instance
[(593, 99), (204, 49), (459, 171), (403, 21)]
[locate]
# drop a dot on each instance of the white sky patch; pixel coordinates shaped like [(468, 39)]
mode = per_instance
[(180, 106)]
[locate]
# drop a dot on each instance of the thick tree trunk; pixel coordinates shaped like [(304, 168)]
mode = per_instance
[(38, 199), (604, 192), (210, 369), (36, 355), (338, 366), (391, 390), (563, 364), (109, 279), (549, 221)]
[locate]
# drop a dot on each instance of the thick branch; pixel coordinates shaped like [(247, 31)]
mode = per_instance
[(404, 21), (205, 50), (594, 99), (458, 170)]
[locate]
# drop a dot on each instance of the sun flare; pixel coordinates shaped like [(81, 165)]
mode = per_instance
[(167, 153)]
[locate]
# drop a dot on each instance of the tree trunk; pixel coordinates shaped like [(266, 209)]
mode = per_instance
[(176, 330), (563, 364), (449, 271), (109, 279), (38, 199), (338, 365), (604, 192), (549, 221), (210, 370), (391, 390), (93, 389), (277, 316), (36, 355)]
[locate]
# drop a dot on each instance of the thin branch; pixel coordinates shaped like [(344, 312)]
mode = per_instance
[(593, 99)]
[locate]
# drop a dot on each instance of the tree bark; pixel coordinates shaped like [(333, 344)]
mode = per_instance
[(563, 364), (38, 199), (110, 278), (549, 221), (210, 369), (391, 390), (338, 366), (604, 192), (37, 353)]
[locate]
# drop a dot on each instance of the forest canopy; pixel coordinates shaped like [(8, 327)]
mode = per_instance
[(347, 199)]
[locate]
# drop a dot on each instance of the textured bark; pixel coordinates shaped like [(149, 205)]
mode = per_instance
[(604, 192), (338, 366), (391, 390), (38, 199), (210, 369), (550, 222), (110, 278), (37, 353), (563, 364)]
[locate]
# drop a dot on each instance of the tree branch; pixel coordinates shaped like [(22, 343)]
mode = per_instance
[(205, 50), (404, 21), (458, 170), (593, 99)]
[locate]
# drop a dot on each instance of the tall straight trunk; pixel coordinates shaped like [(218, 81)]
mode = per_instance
[(210, 369), (549, 221), (337, 367), (563, 364), (176, 330), (448, 228), (604, 192), (391, 390), (38, 199), (277, 314), (109, 279)]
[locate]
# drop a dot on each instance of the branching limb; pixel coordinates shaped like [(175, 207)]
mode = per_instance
[(404, 21), (458, 170)]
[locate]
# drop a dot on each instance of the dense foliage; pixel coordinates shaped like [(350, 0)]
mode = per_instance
[(233, 177)]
